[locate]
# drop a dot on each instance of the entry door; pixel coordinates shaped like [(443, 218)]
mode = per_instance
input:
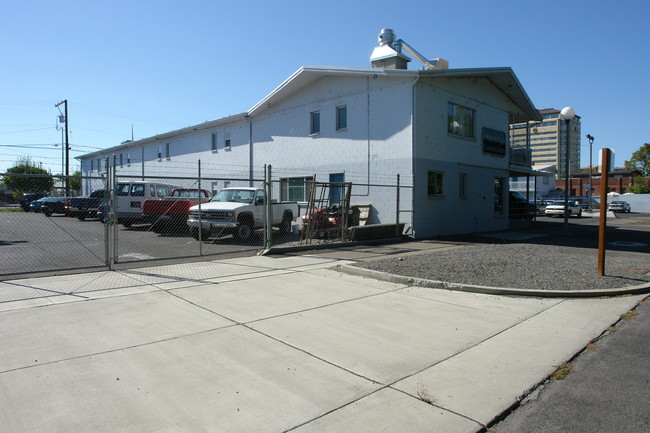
[(335, 192)]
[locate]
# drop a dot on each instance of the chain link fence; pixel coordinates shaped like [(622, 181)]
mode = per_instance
[(122, 220)]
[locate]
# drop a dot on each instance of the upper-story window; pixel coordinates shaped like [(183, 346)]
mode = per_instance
[(226, 140), (460, 120), (341, 118), (159, 152), (213, 142), (168, 154), (314, 122)]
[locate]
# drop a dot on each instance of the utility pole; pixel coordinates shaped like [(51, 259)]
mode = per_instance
[(67, 148)]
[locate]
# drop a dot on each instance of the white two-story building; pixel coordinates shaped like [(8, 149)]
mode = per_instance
[(444, 131)]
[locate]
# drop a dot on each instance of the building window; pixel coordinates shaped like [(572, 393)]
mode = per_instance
[(92, 165), (167, 154), (295, 188), (121, 160), (460, 120), (226, 140), (341, 118), (159, 152), (462, 185), (213, 142), (499, 183), (434, 184), (314, 122), (128, 160)]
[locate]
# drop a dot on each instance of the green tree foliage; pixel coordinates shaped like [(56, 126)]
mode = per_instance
[(39, 180), (640, 160), (75, 182), (639, 185)]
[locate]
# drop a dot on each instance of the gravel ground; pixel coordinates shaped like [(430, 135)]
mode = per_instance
[(519, 266)]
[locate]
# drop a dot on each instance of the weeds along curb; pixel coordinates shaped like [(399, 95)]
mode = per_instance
[(525, 396), (419, 282)]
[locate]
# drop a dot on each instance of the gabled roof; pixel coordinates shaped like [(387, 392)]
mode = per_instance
[(503, 78)]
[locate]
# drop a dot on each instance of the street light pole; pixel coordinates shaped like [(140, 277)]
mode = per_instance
[(567, 114), (591, 185), (67, 148)]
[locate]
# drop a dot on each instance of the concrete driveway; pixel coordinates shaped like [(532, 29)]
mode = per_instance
[(270, 344)]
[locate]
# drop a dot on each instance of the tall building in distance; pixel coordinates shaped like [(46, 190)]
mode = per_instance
[(547, 141)]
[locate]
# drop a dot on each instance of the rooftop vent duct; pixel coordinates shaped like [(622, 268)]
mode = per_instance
[(388, 54)]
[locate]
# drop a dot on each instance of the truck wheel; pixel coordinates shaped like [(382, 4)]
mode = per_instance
[(127, 224), (81, 216), (244, 231), (285, 225), (48, 213)]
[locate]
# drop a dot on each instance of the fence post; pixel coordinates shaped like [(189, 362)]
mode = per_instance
[(200, 224), (268, 229), (106, 202), (397, 231)]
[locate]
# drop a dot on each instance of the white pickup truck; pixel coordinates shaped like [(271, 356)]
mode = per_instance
[(239, 211)]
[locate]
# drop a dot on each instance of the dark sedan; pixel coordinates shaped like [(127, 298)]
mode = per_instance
[(54, 205), (35, 206)]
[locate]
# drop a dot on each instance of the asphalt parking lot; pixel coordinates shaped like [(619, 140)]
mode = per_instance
[(32, 242)]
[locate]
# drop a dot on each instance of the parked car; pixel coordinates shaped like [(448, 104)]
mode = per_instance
[(540, 205), (556, 208), (84, 207), (519, 207), (52, 205), (35, 206), (620, 206), (170, 213), (27, 199), (131, 195), (101, 213)]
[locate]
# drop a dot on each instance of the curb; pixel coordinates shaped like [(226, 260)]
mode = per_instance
[(419, 282)]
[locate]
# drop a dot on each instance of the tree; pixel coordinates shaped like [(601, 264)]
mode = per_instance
[(639, 185), (75, 182), (38, 179), (640, 160)]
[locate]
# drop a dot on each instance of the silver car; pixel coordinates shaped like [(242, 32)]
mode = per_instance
[(620, 206), (556, 208)]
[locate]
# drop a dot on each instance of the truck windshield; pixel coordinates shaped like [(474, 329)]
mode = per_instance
[(237, 195)]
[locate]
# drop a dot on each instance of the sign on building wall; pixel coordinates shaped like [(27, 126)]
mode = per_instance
[(494, 141)]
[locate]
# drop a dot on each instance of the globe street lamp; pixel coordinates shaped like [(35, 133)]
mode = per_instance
[(567, 114), (591, 186)]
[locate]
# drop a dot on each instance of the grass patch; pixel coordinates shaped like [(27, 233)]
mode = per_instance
[(562, 371), (629, 315), (11, 209), (423, 394)]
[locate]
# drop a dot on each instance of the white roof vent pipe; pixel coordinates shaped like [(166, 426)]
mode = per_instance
[(388, 54)]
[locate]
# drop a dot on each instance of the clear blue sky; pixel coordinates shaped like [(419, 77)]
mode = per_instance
[(157, 66)]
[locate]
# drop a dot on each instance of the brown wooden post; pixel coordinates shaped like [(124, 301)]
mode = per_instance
[(605, 154)]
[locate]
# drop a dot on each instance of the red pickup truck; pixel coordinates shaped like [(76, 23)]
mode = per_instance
[(171, 213)]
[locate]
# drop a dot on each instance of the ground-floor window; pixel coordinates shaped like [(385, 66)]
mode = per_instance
[(499, 194), (434, 183), (295, 188), (462, 185)]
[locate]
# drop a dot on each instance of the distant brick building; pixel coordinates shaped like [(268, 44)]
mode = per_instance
[(618, 181)]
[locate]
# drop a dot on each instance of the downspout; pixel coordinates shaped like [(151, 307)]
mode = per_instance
[(251, 171), (368, 130), (142, 148), (413, 152)]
